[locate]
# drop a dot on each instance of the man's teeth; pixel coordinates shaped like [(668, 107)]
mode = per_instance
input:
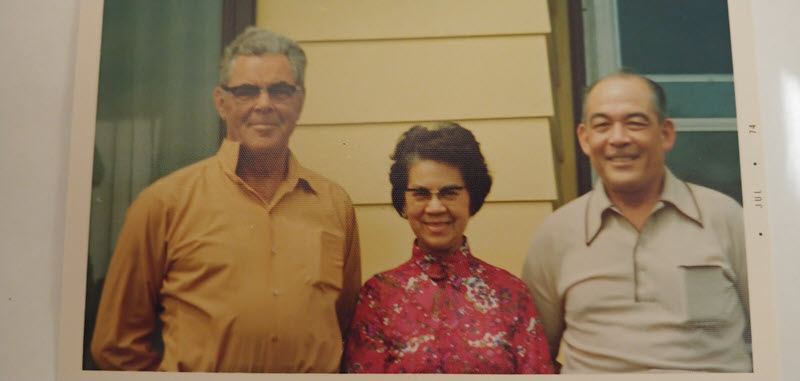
[(621, 158)]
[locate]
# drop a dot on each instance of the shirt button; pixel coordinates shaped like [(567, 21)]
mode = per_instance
[(275, 292), (274, 338)]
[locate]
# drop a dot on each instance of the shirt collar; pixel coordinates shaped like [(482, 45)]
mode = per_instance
[(440, 266), (228, 156), (675, 193)]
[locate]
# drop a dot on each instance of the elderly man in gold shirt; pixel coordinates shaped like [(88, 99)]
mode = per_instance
[(249, 261)]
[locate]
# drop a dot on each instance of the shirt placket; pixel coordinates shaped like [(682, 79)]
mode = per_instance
[(645, 262), (275, 288), (642, 280)]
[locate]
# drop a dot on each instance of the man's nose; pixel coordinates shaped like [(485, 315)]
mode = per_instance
[(262, 101), (618, 134)]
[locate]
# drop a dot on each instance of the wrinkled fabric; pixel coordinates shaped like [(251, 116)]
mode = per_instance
[(446, 314), (239, 284), (671, 297)]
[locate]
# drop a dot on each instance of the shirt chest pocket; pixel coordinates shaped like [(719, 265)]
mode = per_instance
[(710, 296), (311, 258), (328, 273)]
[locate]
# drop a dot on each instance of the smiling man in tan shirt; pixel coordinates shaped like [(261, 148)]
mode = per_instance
[(645, 272), (249, 261)]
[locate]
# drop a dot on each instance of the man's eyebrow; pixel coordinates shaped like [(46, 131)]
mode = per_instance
[(637, 115), (281, 83), (632, 115), (598, 115)]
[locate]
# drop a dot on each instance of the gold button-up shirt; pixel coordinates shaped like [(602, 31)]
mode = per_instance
[(239, 284)]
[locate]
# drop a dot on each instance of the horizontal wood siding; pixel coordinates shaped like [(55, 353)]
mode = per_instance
[(427, 79), (336, 20), (357, 156), (376, 68)]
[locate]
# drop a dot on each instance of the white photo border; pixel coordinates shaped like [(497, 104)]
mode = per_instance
[(73, 293)]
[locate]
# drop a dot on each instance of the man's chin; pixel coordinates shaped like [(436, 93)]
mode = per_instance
[(620, 183)]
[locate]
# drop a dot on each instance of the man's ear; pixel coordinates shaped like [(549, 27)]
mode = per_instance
[(667, 134), (302, 99), (583, 139), (219, 101)]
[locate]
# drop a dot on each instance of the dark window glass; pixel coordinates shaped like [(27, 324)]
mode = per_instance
[(710, 159), (700, 99), (675, 36)]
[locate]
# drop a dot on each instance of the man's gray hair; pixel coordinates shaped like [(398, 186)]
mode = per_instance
[(659, 96), (255, 41)]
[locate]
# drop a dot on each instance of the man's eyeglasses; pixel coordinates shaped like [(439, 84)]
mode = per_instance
[(423, 195), (280, 91)]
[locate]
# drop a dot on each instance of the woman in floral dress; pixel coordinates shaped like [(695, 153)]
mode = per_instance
[(444, 310)]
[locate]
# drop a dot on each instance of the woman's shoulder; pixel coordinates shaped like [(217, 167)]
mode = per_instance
[(500, 277), (395, 277)]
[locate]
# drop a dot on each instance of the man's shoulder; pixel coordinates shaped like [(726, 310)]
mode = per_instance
[(325, 185), (711, 198), (568, 216), (170, 187), (560, 231), (719, 214), (319, 179), (716, 207)]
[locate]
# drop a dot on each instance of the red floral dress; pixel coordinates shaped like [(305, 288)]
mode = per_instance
[(445, 314)]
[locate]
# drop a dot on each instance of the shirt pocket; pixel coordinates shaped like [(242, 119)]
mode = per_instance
[(331, 261), (710, 296)]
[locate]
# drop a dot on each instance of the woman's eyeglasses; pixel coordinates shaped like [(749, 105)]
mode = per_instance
[(422, 195)]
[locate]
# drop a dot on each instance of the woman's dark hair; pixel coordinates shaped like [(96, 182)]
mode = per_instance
[(447, 143)]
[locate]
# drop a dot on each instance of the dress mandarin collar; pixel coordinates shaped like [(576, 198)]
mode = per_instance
[(440, 266)]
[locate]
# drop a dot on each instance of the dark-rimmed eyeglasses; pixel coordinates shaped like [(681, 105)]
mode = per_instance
[(424, 195), (280, 91)]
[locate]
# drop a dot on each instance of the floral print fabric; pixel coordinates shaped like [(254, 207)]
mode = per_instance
[(445, 314)]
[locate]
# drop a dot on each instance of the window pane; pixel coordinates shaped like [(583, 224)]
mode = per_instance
[(700, 99), (710, 159), (159, 63), (675, 36)]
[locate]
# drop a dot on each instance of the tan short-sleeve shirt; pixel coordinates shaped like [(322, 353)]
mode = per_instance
[(672, 296)]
